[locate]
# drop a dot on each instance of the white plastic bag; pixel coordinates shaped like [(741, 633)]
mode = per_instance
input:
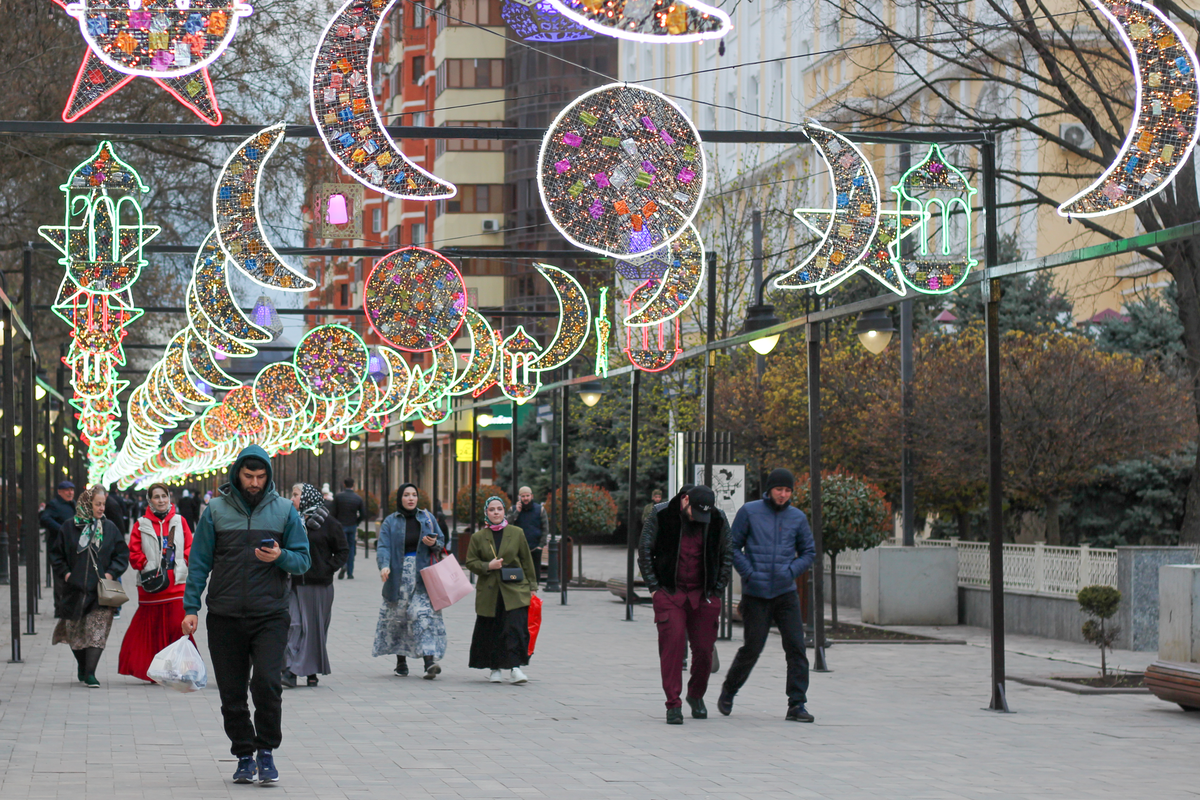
[(179, 666)]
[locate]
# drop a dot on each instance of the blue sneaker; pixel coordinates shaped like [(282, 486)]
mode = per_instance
[(245, 770), (266, 767)]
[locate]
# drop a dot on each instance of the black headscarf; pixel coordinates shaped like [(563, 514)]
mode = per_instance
[(412, 525), (404, 512)]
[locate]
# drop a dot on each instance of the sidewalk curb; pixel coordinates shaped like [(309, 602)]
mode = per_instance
[(1066, 686)]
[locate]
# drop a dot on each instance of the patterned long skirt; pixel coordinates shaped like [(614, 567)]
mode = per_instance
[(410, 626)]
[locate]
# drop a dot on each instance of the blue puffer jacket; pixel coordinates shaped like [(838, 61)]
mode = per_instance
[(771, 548), (389, 550)]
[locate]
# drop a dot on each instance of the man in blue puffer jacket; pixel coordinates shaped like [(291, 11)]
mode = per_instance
[(248, 542), (772, 547)]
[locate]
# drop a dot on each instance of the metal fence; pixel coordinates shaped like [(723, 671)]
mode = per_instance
[(1035, 568)]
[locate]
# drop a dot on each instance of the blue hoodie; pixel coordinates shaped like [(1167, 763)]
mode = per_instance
[(224, 543), (772, 546)]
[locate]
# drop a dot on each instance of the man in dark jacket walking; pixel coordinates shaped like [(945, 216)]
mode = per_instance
[(250, 539), (531, 517), (686, 559), (349, 510), (772, 547), (58, 510)]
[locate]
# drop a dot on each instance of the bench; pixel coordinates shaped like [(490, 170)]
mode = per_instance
[(1175, 683), (617, 587)]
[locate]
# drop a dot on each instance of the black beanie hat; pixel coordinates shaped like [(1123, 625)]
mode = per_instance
[(781, 477)]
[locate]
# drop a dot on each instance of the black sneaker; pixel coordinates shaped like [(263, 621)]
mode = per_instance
[(799, 714), (699, 711), (341, 574), (246, 770), (289, 680), (432, 670), (401, 667), (725, 704), (674, 716), (313, 680), (266, 767)]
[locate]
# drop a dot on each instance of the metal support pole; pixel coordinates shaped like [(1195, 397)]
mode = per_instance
[(474, 471), (756, 267), (454, 481), (385, 487), (635, 379), (564, 549), (11, 526), (515, 431), (435, 499), (813, 334), (552, 560), (710, 373), (991, 296), (29, 436), (907, 476)]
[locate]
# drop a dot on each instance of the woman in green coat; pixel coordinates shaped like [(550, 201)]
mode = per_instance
[(500, 556)]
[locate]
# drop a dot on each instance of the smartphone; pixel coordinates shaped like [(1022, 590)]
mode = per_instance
[(266, 544)]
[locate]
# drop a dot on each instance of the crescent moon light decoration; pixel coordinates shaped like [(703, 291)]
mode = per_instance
[(239, 224), (171, 43), (621, 171), (667, 298), (210, 279), (574, 319), (343, 107), (663, 21), (415, 299), (853, 221), (1164, 127), (483, 355)]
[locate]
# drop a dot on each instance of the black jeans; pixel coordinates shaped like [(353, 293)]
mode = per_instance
[(236, 644), (757, 613)]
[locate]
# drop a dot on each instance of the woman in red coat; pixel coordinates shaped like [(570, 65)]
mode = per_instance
[(161, 539)]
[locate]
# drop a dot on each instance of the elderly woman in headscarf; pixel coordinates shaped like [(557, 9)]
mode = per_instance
[(311, 602), (85, 548), (409, 540), (499, 555)]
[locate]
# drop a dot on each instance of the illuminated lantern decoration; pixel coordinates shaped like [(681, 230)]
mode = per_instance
[(1164, 127), (538, 21), (603, 332), (172, 43), (651, 348), (518, 381), (621, 171), (940, 196)]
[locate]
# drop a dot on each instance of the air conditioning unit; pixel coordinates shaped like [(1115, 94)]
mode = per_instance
[(1077, 135), (491, 226)]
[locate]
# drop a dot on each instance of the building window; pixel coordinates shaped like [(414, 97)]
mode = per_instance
[(418, 68), (470, 73), (418, 234), (419, 12), (377, 220), (469, 12), (494, 145), (345, 295), (475, 198)]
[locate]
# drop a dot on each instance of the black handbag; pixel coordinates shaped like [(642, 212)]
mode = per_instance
[(158, 580), (511, 574)]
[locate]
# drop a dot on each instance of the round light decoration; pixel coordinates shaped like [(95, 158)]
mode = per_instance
[(621, 171), (331, 361), (278, 393), (415, 299)]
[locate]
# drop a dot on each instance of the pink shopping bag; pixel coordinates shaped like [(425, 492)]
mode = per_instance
[(446, 582)]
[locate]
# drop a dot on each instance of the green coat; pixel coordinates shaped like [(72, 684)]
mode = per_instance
[(515, 552)]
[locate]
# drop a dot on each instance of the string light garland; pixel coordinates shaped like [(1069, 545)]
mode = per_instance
[(1165, 126), (854, 217), (940, 195), (538, 21), (238, 221), (331, 361), (342, 99), (669, 297), (171, 43), (669, 21), (415, 299), (621, 171)]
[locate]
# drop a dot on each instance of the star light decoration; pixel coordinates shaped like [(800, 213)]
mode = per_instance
[(415, 299), (172, 42), (100, 242), (538, 21), (939, 194), (621, 171), (1165, 125), (877, 262)]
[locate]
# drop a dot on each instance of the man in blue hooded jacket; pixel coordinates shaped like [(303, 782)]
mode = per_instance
[(249, 540), (772, 547)]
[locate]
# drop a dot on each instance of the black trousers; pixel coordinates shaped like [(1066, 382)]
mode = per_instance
[(757, 614), (237, 644)]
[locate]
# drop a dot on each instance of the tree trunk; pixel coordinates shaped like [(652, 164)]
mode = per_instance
[(1103, 640), (963, 520), (833, 588), (1053, 536)]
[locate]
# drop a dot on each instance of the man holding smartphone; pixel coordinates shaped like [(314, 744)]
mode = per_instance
[(250, 540)]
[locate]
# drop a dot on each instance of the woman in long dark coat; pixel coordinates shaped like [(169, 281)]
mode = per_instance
[(85, 548), (501, 637), (311, 602)]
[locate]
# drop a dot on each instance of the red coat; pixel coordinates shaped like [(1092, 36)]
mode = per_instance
[(150, 528)]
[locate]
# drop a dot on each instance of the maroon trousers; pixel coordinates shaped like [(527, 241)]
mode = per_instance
[(678, 623)]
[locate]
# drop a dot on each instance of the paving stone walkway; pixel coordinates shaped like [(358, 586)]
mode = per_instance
[(893, 721)]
